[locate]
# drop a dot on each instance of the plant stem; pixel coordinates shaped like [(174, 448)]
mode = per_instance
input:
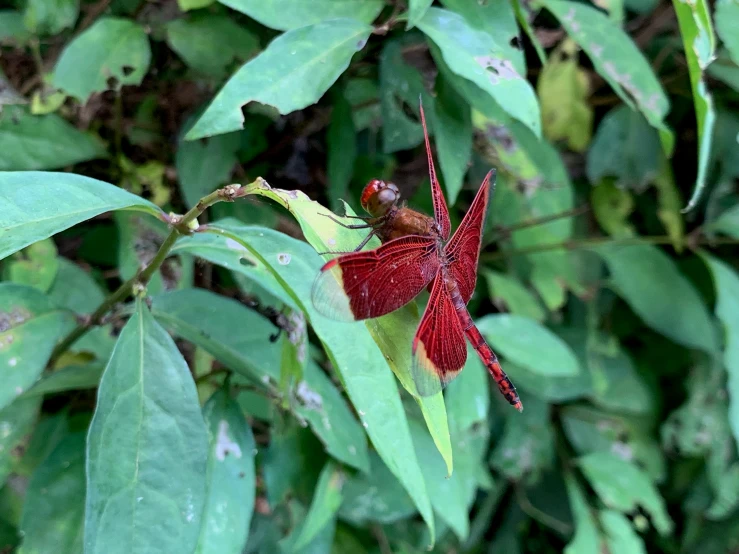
[(118, 109), (595, 241), (180, 225), (505, 231)]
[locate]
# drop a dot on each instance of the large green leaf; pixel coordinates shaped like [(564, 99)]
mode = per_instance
[(293, 72), (208, 42), (54, 510), (586, 539), (71, 377), (476, 56), (30, 325), (727, 19), (42, 17), (700, 50), (231, 481), (513, 295), (360, 363), (35, 266), (615, 57), (75, 289), (12, 29), (650, 282), (563, 89), (498, 19), (291, 14), (35, 205), (393, 333), (341, 142), (529, 344), (209, 320), (453, 132), (625, 487), (323, 507), (113, 52), (726, 282), (16, 422), (147, 449), (29, 142)]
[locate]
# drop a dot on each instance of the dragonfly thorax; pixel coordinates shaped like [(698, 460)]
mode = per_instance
[(379, 197)]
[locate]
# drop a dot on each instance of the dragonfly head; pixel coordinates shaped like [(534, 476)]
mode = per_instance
[(378, 197)]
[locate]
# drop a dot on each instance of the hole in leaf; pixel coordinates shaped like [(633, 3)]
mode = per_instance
[(127, 70), (246, 261), (112, 82), (406, 108), (516, 43)]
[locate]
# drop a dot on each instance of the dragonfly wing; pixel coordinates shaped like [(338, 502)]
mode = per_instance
[(439, 348), (369, 284), (463, 250), (441, 213)]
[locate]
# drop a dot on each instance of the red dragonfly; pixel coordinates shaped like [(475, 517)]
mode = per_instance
[(416, 253)]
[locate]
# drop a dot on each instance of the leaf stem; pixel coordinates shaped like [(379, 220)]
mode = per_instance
[(595, 241), (505, 231), (179, 225)]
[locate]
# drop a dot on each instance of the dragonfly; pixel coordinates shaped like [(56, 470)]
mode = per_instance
[(416, 254)]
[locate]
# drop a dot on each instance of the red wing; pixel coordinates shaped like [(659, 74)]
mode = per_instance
[(369, 284), (439, 349), (440, 210), (463, 250)]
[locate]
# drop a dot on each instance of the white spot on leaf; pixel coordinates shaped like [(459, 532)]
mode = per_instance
[(224, 445)]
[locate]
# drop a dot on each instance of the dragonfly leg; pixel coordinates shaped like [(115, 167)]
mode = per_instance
[(357, 249)]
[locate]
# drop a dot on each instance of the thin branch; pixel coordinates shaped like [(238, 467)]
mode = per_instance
[(180, 225), (595, 241), (505, 231), (540, 516)]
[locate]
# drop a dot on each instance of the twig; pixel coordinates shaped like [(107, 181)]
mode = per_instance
[(180, 225), (540, 516), (382, 541), (505, 231), (595, 241)]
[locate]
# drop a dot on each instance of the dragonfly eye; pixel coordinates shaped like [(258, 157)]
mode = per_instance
[(378, 197)]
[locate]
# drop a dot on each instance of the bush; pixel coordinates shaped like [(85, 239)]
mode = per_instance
[(169, 384)]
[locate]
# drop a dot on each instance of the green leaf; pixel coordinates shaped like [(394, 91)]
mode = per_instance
[(232, 255), (624, 487), (54, 510), (446, 491), (370, 387), (35, 266), (525, 16), (113, 52), (727, 19), (453, 132), (616, 58), (75, 289), (393, 333), (699, 43), (50, 17), (186, 5), (527, 445), (468, 396), (12, 29), (649, 281), (509, 293), (341, 142), (209, 320), (72, 377), (563, 88), (401, 86), (612, 207), (29, 328), (147, 448), (726, 283), (498, 19), (416, 10), (476, 56), (625, 147), (231, 481), (586, 539), (29, 142), (375, 496), (208, 43), (36, 205), (291, 73), (292, 14), (527, 343), (324, 506), (727, 222), (16, 423)]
